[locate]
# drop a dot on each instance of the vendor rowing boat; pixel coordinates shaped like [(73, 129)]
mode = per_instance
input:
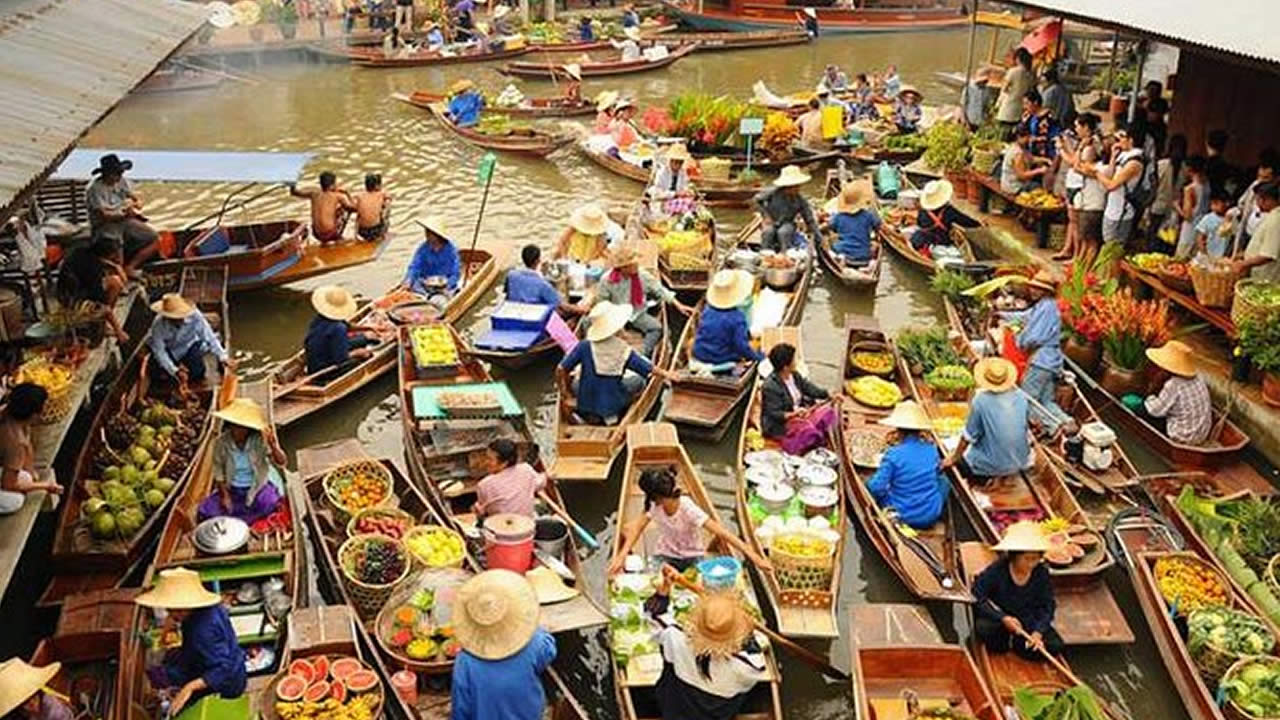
[(521, 140), (860, 274), (534, 107), (548, 71)]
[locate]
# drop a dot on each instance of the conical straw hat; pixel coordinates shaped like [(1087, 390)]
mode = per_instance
[(245, 412), (495, 614), (178, 589)]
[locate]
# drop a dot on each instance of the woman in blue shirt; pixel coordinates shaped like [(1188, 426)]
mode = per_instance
[(612, 372), (210, 661), (723, 339), (246, 481), (437, 256), (854, 222), (910, 480), (330, 342), (465, 104)]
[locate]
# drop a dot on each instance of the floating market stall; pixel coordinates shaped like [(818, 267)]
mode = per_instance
[(864, 278), (686, 240), (494, 132), (512, 102)]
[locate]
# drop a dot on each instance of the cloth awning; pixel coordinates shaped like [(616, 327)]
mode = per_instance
[(190, 166)]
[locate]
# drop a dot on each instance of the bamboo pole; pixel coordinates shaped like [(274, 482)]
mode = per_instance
[(968, 63), (1111, 66)]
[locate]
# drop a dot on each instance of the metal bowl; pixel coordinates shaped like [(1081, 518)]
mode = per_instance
[(781, 278), (221, 535)]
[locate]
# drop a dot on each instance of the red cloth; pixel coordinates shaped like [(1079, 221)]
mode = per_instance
[(637, 287), (1010, 351)]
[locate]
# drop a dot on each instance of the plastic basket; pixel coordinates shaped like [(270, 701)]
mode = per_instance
[(1230, 709), (367, 598), (713, 579), (346, 473), (1213, 286), (424, 562), (1243, 309), (797, 572), (1213, 661), (379, 512)]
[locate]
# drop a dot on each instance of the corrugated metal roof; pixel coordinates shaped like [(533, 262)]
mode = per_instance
[(202, 166), (1245, 28), (66, 64)]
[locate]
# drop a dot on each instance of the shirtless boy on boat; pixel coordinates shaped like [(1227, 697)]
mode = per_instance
[(330, 206), (372, 207)]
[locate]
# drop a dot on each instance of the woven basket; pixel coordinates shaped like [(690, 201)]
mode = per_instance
[(1213, 661), (1243, 309), (379, 512), (368, 599), (1273, 583), (56, 407), (871, 346), (715, 168), (1214, 286), (1181, 283), (345, 473), (422, 530), (802, 573), (1230, 709)]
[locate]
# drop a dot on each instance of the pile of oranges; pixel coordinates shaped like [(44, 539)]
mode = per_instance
[(1189, 585), (364, 490)]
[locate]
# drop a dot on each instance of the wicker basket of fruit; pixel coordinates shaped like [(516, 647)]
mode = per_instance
[(56, 379), (874, 392), (391, 522), (372, 566), (1177, 276), (1213, 283), (330, 686), (803, 560), (1253, 299), (356, 486), (406, 632), (1249, 688), (869, 357), (434, 546)]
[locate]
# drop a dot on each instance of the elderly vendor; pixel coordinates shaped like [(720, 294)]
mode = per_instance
[(781, 207), (909, 481), (180, 338), (626, 284), (1183, 404), (436, 257), (246, 461)]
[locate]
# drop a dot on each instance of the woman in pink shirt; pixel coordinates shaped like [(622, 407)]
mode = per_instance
[(680, 523), (511, 486)]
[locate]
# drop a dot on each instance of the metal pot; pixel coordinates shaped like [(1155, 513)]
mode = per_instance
[(818, 500), (775, 497), (781, 278), (221, 535)]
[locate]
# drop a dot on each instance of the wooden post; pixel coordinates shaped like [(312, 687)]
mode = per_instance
[(1137, 80), (1111, 66), (524, 12), (968, 63), (995, 37)]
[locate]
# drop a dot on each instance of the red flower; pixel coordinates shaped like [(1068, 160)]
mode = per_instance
[(1090, 279)]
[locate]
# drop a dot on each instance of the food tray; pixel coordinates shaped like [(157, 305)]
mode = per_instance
[(427, 407)]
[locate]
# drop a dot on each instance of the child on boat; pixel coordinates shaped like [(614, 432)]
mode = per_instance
[(372, 208)]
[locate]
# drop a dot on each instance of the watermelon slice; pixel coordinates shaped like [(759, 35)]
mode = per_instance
[(343, 667), (338, 691), (320, 667), (291, 688), (361, 681), (318, 691), (302, 669)]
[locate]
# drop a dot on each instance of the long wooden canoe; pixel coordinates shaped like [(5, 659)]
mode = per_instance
[(547, 71), (892, 236), (723, 41), (91, 641), (702, 405), (524, 141), (800, 612), (531, 107), (926, 576), (688, 283), (82, 563), (432, 58), (721, 193), (655, 445), (896, 650), (293, 402), (860, 278), (747, 17)]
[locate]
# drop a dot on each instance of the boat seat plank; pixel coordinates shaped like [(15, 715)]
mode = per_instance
[(98, 610), (581, 468), (16, 527), (797, 621), (893, 624)]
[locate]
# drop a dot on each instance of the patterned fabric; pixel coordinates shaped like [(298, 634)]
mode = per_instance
[(680, 534), (1186, 407)]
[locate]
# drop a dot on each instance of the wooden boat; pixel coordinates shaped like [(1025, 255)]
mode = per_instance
[(928, 561), (81, 562), (862, 278), (655, 445), (1231, 439), (716, 193), (432, 58), (525, 141), (687, 282), (534, 107), (799, 612), (519, 359), (750, 40), (328, 534), (295, 400), (744, 16), (1088, 613), (892, 237), (896, 650), (1008, 672), (546, 71), (702, 405), (648, 31), (90, 641)]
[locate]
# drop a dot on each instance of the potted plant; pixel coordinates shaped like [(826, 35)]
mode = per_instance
[(1079, 296), (1129, 327), (283, 15), (1260, 342), (266, 10)]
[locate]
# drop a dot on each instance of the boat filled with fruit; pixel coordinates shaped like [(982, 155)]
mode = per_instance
[(684, 231)]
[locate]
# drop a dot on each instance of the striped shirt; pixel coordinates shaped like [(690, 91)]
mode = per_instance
[(1185, 405)]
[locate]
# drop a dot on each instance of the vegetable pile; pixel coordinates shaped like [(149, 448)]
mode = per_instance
[(949, 379), (1150, 261), (1244, 533), (875, 363), (1231, 631), (1078, 703), (948, 146), (909, 142), (927, 349), (1266, 295), (1189, 585), (951, 283), (873, 391), (1254, 686)]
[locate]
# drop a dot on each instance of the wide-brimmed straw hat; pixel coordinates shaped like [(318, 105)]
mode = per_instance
[(19, 681), (623, 255), (606, 99), (632, 32), (936, 193), (334, 302), (434, 224), (811, 12), (110, 164), (854, 197), (606, 319), (178, 589), (678, 152), (245, 412), (1023, 536), (995, 374), (907, 415), (548, 586), (1043, 280), (1175, 357), (910, 89), (500, 12), (495, 613), (623, 103), (717, 625), (460, 86), (573, 70), (172, 306), (729, 288), (792, 176), (589, 219)]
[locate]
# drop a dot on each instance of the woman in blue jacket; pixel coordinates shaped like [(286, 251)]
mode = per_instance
[(910, 481), (724, 338)]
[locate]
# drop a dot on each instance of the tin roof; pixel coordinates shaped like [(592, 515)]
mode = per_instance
[(1243, 28), (189, 165), (66, 64)]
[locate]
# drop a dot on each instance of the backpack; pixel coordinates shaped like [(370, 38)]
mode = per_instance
[(1140, 194)]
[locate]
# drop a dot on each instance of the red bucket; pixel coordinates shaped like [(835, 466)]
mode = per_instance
[(508, 542)]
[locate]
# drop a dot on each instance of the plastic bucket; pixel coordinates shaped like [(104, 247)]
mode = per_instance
[(550, 536), (508, 542), (405, 684)]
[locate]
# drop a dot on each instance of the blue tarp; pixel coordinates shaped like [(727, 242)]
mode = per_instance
[(190, 166)]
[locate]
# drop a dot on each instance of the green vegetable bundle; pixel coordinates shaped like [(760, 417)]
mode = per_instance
[(1253, 685), (948, 146), (951, 283), (1230, 631), (1244, 535), (927, 348), (909, 141), (1078, 703), (949, 378)]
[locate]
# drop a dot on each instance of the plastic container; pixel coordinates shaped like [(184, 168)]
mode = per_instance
[(405, 684), (720, 572), (1096, 433), (508, 542), (550, 536)]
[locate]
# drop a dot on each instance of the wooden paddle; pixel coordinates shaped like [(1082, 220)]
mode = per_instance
[(811, 658), (578, 530)]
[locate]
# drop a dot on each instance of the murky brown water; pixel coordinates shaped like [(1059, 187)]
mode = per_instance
[(344, 116)]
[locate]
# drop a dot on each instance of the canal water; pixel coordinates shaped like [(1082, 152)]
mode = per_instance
[(346, 118)]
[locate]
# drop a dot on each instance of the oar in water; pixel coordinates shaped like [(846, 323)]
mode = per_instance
[(578, 530), (810, 657)]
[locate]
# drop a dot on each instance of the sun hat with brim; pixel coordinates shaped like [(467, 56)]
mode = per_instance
[(434, 225), (589, 219), (334, 302), (548, 586), (178, 589), (1044, 281), (606, 319), (729, 288), (995, 374), (811, 12), (907, 415), (460, 86), (574, 70), (172, 306), (606, 99), (1023, 536), (717, 625), (1175, 357), (495, 614), (936, 193), (623, 255), (678, 152), (111, 163), (19, 681), (791, 176), (855, 196), (910, 89), (245, 412), (632, 33), (623, 103)]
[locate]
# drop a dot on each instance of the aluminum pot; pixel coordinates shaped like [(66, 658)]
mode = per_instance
[(781, 278)]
